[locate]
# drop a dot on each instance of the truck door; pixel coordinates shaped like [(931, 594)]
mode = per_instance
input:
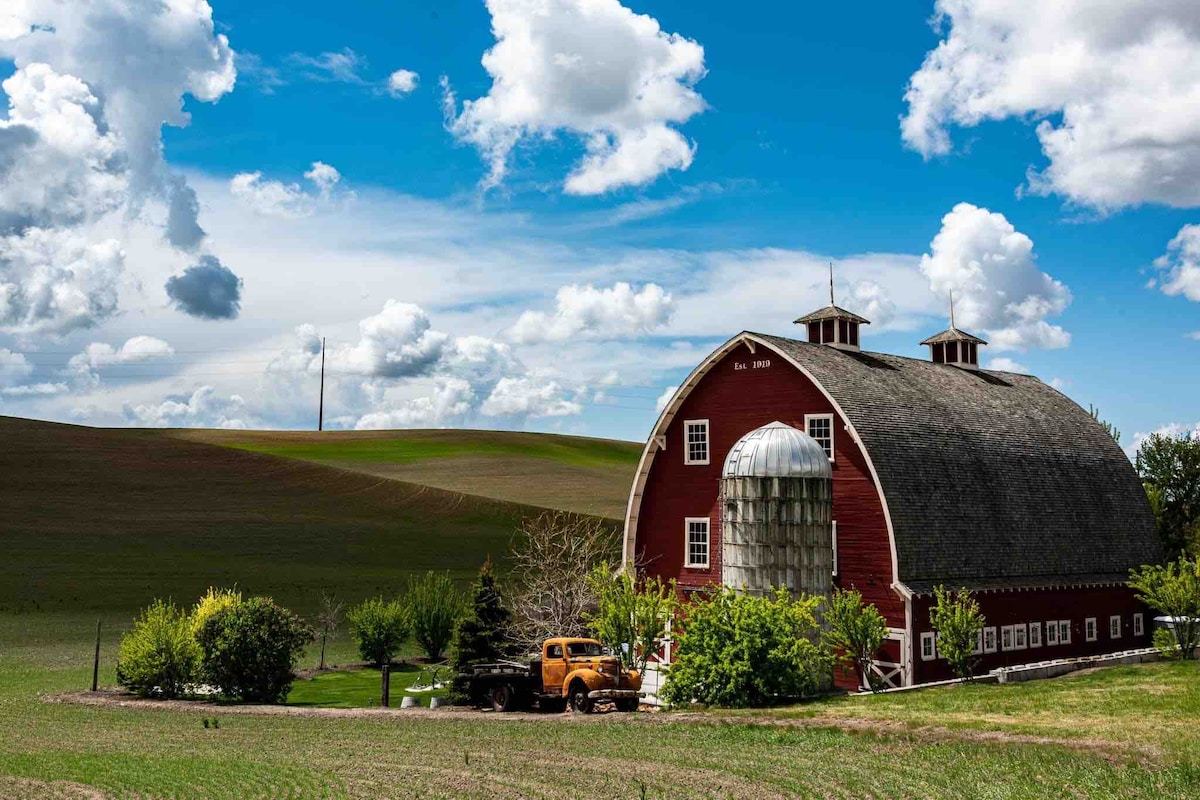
[(554, 667)]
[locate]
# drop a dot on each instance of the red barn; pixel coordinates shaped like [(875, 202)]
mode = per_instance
[(943, 473)]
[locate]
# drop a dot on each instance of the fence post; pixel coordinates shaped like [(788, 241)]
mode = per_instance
[(385, 698), (96, 661)]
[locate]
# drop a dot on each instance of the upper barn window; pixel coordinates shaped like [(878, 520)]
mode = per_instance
[(820, 427), (695, 433), (696, 555)]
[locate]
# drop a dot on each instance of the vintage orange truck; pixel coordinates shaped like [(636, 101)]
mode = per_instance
[(571, 672)]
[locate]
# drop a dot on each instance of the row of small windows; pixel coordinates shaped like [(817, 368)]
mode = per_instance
[(696, 439), (955, 353), (1027, 635), (822, 332)]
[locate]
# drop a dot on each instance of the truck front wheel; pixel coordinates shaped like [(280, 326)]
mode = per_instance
[(503, 697), (580, 702)]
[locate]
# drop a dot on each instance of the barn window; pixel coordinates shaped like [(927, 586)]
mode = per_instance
[(854, 334), (820, 427), (843, 331), (928, 646), (978, 648), (1020, 632), (696, 556), (827, 331), (1064, 631), (1035, 634), (696, 433), (951, 352), (1138, 629), (1006, 637), (989, 640), (1089, 629), (835, 553), (939, 353), (1114, 627), (1052, 632), (814, 332)]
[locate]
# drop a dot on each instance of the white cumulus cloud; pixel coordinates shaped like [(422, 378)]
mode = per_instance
[(665, 398), (990, 267), (593, 69), (402, 82), (1115, 87), (272, 198), (1004, 364), (1180, 266), (87, 364), (585, 311), (528, 397), (203, 408)]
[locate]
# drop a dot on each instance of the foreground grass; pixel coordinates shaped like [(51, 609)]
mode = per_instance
[(128, 752)]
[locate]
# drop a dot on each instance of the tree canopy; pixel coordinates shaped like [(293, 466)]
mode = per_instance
[(1170, 469)]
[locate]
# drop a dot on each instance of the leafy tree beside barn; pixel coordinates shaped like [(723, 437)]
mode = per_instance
[(1170, 469)]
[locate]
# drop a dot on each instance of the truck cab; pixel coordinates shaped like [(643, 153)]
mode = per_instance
[(578, 671)]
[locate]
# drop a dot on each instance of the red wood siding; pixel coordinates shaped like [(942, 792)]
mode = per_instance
[(736, 397), (1041, 606)]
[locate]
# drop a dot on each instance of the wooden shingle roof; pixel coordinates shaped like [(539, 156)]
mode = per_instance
[(832, 312), (991, 478)]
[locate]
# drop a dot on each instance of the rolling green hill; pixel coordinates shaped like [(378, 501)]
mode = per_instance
[(570, 473), (104, 520)]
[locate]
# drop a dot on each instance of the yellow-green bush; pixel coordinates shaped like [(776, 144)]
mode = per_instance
[(159, 656)]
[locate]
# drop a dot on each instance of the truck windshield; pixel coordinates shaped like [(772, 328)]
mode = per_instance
[(584, 649)]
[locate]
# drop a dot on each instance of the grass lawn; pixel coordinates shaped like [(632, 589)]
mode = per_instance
[(55, 749), (359, 688)]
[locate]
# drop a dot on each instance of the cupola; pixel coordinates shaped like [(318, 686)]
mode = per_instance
[(953, 346), (832, 325)]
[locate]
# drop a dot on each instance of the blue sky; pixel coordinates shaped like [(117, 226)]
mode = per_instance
[(669, 173)]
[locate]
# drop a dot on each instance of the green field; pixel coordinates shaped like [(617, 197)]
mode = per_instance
[(96, 523), (570, 473)]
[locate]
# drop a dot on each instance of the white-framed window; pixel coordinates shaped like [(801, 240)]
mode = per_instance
[(978, 648), (989, 640), (696, 554), (1051, 632), (835, 552), (1064, 631), (1006, 637), (1020, 634), (1114, 626), (1139, 625), (1035, 634), (695, 435), (928, 646), (1089, 629), (820, 427)]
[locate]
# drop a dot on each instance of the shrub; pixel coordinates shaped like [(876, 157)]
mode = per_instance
[(434, 606), (1173, 590), (251, 648), (631, 616), (159, 655), (957, 620), (213, 601), (379, 628), (736, 650), (855, 632)]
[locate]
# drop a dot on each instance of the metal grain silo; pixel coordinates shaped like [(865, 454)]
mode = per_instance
[(776, 513)]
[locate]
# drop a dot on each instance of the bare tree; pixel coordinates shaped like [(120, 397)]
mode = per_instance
[(552, 557), (328, 620)]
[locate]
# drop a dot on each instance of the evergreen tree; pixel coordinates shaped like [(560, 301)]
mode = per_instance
[(482, 634)]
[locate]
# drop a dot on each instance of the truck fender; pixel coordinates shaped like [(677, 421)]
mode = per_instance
[(590, 678)]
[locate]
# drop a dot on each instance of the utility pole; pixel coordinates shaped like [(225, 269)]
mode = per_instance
[(321, 404)]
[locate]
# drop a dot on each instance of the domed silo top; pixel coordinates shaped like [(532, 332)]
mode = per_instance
[(777, 451)]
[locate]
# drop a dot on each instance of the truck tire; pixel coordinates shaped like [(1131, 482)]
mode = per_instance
[(580, 702), (503, 697), (627, 704)]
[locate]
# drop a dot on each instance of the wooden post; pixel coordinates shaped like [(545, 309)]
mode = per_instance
[(321, 405), (385, 698), (96, 661)]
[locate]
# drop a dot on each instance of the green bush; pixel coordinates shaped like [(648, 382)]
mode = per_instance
[(856, 631), (210, 603), (251, 648), (379, 627), (957, 620), (159, 656), (736, 650), (434, 606), (1174, 591)]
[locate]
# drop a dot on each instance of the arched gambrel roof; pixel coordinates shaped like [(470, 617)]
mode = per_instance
[(988, 479)]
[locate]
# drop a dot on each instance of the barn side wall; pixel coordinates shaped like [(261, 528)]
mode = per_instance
[(740, 393), (1041, 606)]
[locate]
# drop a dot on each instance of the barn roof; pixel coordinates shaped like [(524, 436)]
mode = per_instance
[(991, 478), (832, 312)]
